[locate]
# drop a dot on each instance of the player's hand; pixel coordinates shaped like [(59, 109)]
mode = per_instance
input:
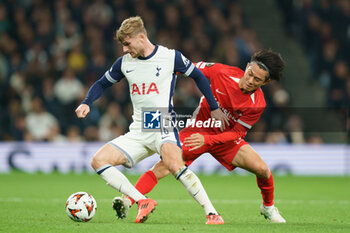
[(218, 115), (82, 110), (195, 141)]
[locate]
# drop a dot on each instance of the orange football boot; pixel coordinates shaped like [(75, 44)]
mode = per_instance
[(214, 219), (145, 207)]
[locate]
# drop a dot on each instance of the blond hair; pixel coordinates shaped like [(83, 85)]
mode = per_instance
[(130, 27)]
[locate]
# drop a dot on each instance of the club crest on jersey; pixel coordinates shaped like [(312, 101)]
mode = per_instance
[(151, 119), (158, 69), (144, 89)]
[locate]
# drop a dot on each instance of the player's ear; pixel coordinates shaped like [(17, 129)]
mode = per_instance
[(141, 36)]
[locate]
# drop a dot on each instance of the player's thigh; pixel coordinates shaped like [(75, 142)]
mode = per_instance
[(190, 156), (107, 154), (133, 147), (248, 159), (187, 155)]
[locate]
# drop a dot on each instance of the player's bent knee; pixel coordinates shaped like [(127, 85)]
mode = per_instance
[(264, 172), (172, 157), (95, 163), (99, 160), (173, 168), (107, 155)]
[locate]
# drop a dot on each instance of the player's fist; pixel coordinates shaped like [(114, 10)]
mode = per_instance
[(82, 110)]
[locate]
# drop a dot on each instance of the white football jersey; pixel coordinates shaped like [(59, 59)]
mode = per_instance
[(151, 79)]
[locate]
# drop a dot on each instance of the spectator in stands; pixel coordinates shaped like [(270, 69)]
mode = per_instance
[(39, 122), (68, 90), (73, 134), (295, 129), (112, 123)]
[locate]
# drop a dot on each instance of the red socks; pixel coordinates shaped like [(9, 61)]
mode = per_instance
[(267, 188), (145, 183)]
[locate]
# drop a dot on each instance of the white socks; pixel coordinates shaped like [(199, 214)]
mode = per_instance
[(194, 186), (117, 180)]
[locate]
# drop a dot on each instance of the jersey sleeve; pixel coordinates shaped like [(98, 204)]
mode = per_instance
[(205, 68), (249, 119), (237, 132), (183, 64), (115, 74), (214, 71)]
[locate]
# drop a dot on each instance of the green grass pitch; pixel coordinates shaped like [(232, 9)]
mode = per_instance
[(35, 203)]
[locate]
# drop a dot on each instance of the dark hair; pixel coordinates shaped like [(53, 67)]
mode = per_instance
[(272, 60)]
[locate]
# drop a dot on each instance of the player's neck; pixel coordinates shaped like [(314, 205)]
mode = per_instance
[(149, 48), (247, 92)]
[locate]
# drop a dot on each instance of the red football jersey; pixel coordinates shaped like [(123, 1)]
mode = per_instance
[(243, 110)]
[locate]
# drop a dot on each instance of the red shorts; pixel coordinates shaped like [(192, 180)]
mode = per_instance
[(223, 153)]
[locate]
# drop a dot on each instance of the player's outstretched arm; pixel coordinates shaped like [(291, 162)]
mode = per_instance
[(197, 140), (94, 93)]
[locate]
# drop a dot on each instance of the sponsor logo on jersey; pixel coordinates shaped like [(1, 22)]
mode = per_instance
[(151, 119), (144, 89), (128, 71)]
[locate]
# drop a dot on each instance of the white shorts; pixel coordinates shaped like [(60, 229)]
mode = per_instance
[(136, 145)]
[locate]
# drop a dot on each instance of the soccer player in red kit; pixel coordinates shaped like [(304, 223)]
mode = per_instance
[(240, 97)]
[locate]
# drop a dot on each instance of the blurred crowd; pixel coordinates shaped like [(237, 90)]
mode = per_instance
[(51, 52), (322, 27)]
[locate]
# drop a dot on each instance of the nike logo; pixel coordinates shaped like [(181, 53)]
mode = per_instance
[(217, 90), (128, 71), (165, 137)]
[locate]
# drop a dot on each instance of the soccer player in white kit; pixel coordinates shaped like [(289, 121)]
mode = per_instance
[(151, 72)]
